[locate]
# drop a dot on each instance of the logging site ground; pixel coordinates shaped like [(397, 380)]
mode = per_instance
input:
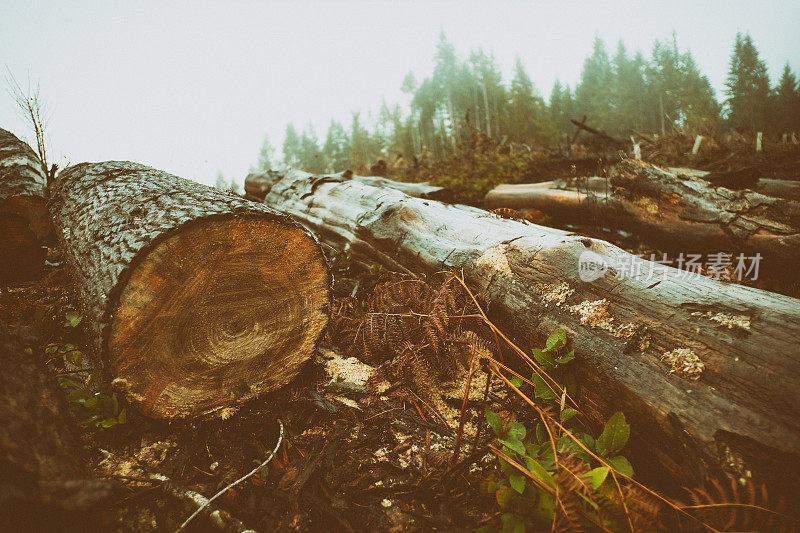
[(538, 272)]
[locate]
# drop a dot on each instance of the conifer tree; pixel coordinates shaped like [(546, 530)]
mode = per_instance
[(266, 156), (747, 86), (292, 149), (786, 103), (593, 94), (529, 121)]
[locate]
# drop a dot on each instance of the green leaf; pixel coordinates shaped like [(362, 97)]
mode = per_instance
[(494, 421), (513, 444), (72, 319), (517, 382), (563, 399), (614, 436), (76, 395), (567, 358), (544, 359), (621, 464), (567, 413), (75, 357), (107, 423), (536, 468), (69, 383), (541, 433), (598, 476), (541, 390), (503, 497), (517, 430), (517, 482), (91, 402), (51, 348), (557, 339), (123, 416)]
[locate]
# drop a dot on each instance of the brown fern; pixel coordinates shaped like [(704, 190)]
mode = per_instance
[(416, 327), (735, 506)]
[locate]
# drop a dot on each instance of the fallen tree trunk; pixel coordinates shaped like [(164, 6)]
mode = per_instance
[(197, 299), (742, 414), (23, 210), (45, 484), (788, 189), (257, 186), (670, 210)]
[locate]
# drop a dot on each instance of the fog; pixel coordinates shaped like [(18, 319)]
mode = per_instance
[(193, 87)]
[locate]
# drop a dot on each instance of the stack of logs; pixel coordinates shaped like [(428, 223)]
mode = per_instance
[(198, 300)]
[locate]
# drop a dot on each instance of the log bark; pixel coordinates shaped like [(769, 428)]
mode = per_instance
[(785, 188), (671, 210), (257, 185), (741, 415), (23, 210), (197, 299), (45, 484)]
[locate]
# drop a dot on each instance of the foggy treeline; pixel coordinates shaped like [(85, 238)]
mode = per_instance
[(619, 92)]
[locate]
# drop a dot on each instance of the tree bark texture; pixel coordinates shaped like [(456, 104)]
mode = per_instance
[(708, 373), (23, 210), (197, 299), (44, 485), (257, 185)]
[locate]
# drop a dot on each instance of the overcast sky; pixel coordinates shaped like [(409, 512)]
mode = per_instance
[(192, 87)]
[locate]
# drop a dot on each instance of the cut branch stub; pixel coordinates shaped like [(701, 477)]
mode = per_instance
[(198, 299)]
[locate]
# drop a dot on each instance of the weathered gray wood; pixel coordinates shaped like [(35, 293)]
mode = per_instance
[(23, 209), (45, 481), (689, 210), (197, 298), (257, 184), (742, 414), (788, 189), (679, 209)]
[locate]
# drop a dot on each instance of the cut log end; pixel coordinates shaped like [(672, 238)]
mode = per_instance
[(215, 314)]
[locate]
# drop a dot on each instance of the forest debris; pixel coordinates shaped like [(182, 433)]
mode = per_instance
[(349, 370), (558, 294), (496, 258), (593, 313), (684, 362), (741, 322)]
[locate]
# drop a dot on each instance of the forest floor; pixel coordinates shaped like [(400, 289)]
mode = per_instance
[(358, 453)]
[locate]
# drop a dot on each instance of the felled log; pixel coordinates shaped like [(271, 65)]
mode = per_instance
[(689, 210), (671, 210), (197, 299), (45, 484), (23, 210), (788, 189), (741, 414), (256, 185)]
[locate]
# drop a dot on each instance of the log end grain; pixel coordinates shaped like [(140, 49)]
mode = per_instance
[(214, 314)]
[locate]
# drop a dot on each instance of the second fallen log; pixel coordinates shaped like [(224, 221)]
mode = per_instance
[(197, 299), (707, 372)]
